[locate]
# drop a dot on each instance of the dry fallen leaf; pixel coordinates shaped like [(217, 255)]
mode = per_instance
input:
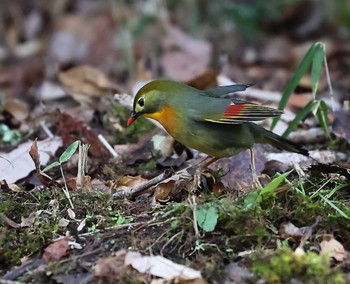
[(163, 190), (30, 220), (333, 247), (34, 154), (160, 267), (72, 183), (19, 109), (288, 230), (127, 183), (18, 163), (85, 83), (56, 250), (110, 268), (206, 80), (173, 187)]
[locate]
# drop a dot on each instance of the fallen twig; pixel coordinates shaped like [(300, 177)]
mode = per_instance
[(139, 188), (20, 270)]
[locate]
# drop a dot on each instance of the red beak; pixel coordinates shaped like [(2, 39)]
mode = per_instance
[(131, 119)]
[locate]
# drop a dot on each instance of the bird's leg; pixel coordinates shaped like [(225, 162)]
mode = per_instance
[(208, 163), (256, 181)]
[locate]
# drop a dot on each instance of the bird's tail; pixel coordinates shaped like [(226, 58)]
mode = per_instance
[(268, 137)]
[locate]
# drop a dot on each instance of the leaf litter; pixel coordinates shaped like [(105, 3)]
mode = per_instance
[(145, 205)]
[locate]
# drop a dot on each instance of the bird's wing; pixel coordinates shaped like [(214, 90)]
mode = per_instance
[(223, 90), (237, 112)]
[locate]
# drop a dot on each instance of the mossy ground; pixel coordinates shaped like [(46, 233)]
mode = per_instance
[(169, 230)]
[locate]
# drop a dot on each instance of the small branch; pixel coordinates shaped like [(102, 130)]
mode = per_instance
[(65, 189), (329, 80), (20, 270), (107, 146), (143, 186), (82, 164), (193, 203), (46, 129)]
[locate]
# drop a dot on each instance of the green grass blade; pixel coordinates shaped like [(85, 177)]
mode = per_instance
[(322, 116), (301, 69), (52, 165), (272, 185), (311, 106), (317, 63), (336, 208), (68, 153), (256, 197)]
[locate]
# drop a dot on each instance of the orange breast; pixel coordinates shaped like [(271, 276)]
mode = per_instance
[(169, 118)]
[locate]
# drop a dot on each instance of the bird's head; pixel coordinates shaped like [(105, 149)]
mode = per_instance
[(150, 99)]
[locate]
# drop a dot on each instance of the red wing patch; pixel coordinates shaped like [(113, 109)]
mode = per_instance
[(234, 110), (239, 113)]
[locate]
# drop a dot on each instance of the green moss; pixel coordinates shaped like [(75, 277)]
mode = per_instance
[(283, 264), (147, 167)]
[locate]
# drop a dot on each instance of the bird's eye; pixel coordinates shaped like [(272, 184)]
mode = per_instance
[(141, 102)]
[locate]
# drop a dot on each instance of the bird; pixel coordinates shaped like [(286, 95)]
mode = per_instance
[(207, 121)]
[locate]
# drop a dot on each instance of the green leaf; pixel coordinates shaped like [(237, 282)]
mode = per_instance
[(336, 208), (251, 198), (310, 107), (52, 165), (322, 116), (68, 153), (207, 217), (317, 63), (272, 185), (294, 81)]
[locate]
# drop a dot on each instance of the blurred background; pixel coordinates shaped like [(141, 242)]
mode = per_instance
[(85, 50), (178, 39)]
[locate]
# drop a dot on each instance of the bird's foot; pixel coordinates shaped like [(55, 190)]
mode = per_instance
[(201, 180), (256, 182)]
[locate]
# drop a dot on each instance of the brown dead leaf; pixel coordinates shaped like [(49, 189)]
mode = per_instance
[(21, 163), (127, 183), (56, 250), (174, 187), (110, 268), (218, 188), (163, 190), (85, 83), (333, 247), (17, 108), (205, 80), (34, 154), (72, 129), (86, 186)]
